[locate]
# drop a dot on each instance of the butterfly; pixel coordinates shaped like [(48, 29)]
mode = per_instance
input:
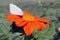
[(26, 20)]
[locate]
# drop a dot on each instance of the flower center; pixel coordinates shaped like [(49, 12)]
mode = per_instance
[(28, 17)]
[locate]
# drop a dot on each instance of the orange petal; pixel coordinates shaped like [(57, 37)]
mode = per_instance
[(28, 29), (42, 20), (9, 17), (13, 18), (40, 25), (20, 23)]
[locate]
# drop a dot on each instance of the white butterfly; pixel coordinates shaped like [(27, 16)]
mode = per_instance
[(15, 10)]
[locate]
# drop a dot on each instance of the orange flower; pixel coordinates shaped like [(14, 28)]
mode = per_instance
[(28, 22)]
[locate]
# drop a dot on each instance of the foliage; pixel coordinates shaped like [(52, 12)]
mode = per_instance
[(37, 10)]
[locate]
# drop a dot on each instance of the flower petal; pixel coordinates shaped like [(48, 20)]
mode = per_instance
[(13, 18), (40, 25), (20, 24), (17, 19), (28, 29), (42, 20)]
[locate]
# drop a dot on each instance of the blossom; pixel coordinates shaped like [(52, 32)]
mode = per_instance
[(28, 22)]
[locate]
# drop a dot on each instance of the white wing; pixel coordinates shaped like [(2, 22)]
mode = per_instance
[(15, 10)]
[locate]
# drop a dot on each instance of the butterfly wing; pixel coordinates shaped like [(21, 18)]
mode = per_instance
[(15, 10)]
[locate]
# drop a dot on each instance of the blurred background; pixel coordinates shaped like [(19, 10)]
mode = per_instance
[(49, 9)]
